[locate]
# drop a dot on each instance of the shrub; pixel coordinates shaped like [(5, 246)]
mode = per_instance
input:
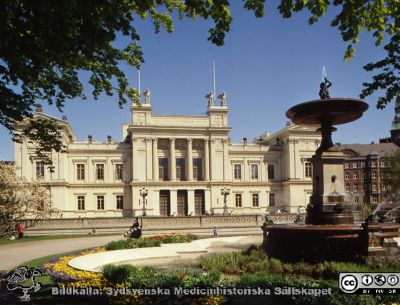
[(275, 265), (225, 262), (147, 243), (118, 274), (118, 245)]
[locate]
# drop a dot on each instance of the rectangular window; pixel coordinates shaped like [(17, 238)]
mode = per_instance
[(255, 200), (120, 202), (271, 199), (271, 171), (374, 187), (347, 188), (238, 200), (383, 187), (362, 164), (180, 168), (254, 171), (363, 175), (237, 168), (163, 169), (100, 171), (355, 188), (346, 177), (374, 199), (373, 164), (346, 165), (40, 169), (355, 199), (100, 202), (119, 170), (308, 169), (355, 176), (373, 175), (80, 171), (81, 202), (197, 166), (354, 164), (382, 164)]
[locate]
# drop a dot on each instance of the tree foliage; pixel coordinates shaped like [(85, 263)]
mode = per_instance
[(44, 44), (20, 200)]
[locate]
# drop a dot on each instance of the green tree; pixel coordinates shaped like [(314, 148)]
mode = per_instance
[(44, 44)]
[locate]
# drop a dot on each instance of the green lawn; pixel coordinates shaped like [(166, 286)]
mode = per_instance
[(4, 241)]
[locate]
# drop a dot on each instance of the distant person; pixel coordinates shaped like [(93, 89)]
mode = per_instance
[(20, 230), (136, 229), (215, 231)]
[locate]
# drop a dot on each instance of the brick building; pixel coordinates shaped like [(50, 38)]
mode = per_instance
[(365, 169)]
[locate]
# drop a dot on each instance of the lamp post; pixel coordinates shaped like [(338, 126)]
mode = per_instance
[(225, 192), (144, 192)]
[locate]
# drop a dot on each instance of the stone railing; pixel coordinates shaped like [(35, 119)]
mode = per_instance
[(156, 223)]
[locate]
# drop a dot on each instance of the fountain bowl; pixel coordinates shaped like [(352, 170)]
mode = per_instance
[(336, 111)]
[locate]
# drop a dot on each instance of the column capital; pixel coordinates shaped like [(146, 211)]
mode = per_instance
[(189, 140), (172, 139)]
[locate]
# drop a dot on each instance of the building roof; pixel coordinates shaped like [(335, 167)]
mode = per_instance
[(366, 149)]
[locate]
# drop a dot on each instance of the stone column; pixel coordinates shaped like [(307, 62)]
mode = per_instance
[(155, 161), (172, 161), (206, 160), (212, 159), (190, 202), (149, 160), (189, 161), (226, 160), (173, 202)]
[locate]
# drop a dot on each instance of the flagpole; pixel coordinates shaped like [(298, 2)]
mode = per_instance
[(139, 82), (215, 94)]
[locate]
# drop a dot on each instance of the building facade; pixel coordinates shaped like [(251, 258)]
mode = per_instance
[(365, 169), (171, 165)]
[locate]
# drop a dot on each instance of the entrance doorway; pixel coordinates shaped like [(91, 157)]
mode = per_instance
[(165, 205), (182, 203), (199, 202)]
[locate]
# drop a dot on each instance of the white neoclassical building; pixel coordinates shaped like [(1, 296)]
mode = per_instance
[(175, 165)]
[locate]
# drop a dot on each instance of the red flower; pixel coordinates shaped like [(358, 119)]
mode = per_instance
[(181, 276)]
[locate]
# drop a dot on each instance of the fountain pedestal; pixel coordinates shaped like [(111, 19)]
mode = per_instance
[(327, 203)]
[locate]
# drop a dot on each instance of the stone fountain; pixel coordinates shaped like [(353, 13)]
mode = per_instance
[(329, 232)]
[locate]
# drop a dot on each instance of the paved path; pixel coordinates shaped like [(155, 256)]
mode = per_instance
[(13, 255), (196, 248)]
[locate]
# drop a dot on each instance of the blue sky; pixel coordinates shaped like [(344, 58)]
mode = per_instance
[(266, 66)]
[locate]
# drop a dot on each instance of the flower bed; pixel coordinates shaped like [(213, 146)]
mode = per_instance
[(249, 269), (64, 275), (151, 241)]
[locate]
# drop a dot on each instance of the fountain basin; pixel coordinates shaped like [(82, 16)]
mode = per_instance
[(318, 243), (334, 110)]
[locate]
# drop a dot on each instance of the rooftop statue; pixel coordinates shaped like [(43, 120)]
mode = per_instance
[(210, 98), (147, 94), (222, 97)]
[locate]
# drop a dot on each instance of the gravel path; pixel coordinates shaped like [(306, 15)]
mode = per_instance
[(13, 255)]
